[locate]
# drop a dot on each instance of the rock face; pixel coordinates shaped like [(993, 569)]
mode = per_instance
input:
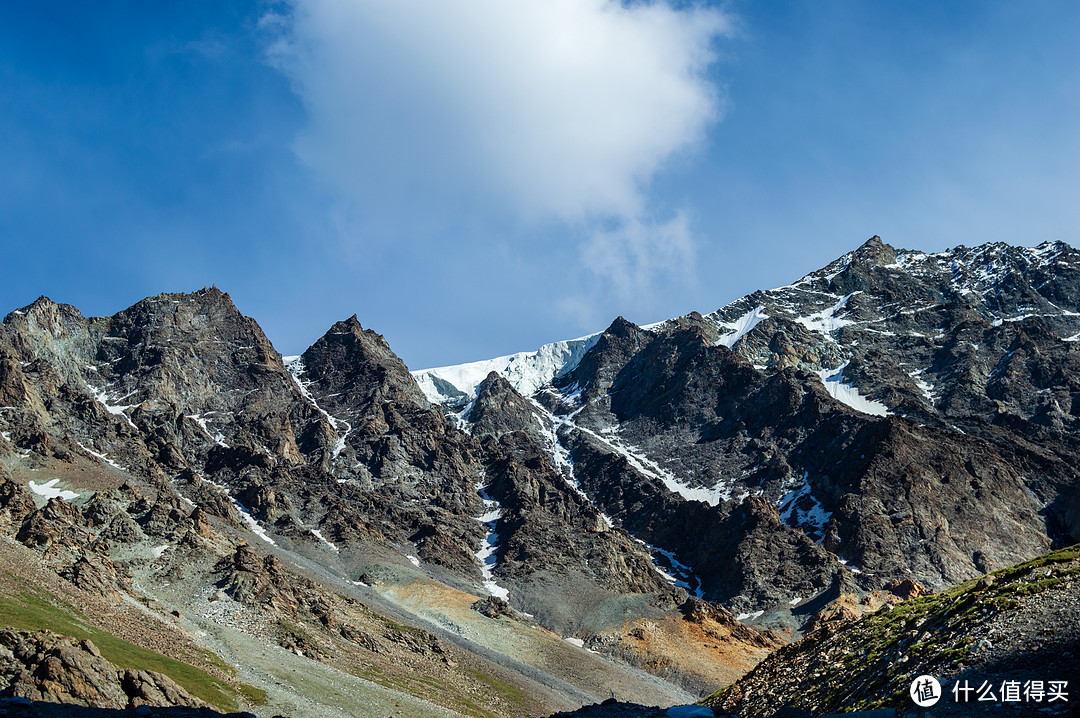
[(555, 546), (43, 666), (336, 453), (393, 451), (892, 416)]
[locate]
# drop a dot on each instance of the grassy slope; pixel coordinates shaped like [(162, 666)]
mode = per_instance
[(34, 610), (878, 655)]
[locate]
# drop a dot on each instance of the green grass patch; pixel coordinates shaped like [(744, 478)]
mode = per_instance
[(1062, 555), (713, 699), (512, 693), (254, 696), (400, 627), (35, 611)]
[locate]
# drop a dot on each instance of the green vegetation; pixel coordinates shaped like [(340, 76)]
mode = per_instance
[(295, 633), (254, 696), (399, 627), (512, 693), (442, 691), (875, 655), (34, 610)]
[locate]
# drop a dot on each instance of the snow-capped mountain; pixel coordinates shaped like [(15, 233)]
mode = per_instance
[(1001, 283), (893, 416), (928, 351), (456, 386)]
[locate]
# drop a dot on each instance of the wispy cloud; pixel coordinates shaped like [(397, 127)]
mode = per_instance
[(636, 250), (557, 110)]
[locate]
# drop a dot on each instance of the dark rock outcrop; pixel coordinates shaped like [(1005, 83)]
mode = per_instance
[(44, 666)]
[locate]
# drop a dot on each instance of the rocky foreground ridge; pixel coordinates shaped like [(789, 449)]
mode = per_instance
[(1018, 625), (677, 501)]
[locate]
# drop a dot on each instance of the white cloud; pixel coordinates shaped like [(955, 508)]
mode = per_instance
[(553, 109), (628, 259), (630, 254)]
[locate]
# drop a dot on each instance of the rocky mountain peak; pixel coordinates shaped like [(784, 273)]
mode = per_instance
[(347, 326), (59, 321), (499, 409), (875, 253), (622, 328), (696, 324), (615, 346), (359, 368)]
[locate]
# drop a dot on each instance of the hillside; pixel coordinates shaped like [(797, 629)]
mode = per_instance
[(646, 512), (1018, 624)]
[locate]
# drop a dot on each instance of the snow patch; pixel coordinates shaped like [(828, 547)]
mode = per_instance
[(814, 518), (686, 574), (486, 555), (853, 569), (49, 490), (117, 410), (158, 550), (317, 534), (201, 420), (711, 496), (565, 466), (845, 393), (827, 321), (103, 457), (296, 369), (413, 560), (839, 266), (926, 388), (575, 642), (743, 326), (560, 456), (252, 524), (526, 371)]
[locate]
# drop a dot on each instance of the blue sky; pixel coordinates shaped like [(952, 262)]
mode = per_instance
[(474, 178)]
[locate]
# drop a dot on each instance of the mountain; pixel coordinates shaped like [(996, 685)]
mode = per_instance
[(892, 415), (675, 501)]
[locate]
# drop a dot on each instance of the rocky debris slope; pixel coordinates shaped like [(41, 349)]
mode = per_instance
[(702, 646), (1020, 624), (180, 566), (188, 570)]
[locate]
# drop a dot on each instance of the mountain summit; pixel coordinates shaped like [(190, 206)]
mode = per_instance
[(682, 497)]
